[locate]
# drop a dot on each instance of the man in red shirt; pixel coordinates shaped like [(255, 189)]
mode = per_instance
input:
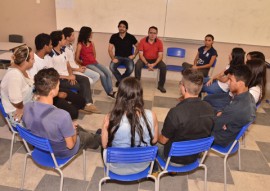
[(151, 54)]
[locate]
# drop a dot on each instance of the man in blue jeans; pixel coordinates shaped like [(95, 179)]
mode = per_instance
[(122, 42)]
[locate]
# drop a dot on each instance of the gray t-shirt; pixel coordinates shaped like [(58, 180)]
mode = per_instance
[(55, 124)]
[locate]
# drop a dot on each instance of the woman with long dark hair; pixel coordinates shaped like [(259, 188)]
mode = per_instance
[(219, 83), (129, 124), (258, 80), (86, 56)]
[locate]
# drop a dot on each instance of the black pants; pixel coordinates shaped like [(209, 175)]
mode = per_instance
[(72, 103), (161, 66), (82, 86)]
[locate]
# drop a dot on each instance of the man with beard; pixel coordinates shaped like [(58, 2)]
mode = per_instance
[(122, 42)]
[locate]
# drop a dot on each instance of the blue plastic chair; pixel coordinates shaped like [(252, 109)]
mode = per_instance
[(230, 149), (129, 156), (175, 52), (186, 148), (13, 131), (43, 155)]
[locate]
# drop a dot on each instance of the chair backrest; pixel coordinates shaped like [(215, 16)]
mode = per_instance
[(5, 115), (258, 104), (176, 52), (214, 64), (3, 110), (37, 142), (243, 130), (131, 155), (212, 68), (15, 38), (187, 148)]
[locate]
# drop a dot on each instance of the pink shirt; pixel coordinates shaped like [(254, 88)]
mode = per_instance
[(87, 54), (150, 51)]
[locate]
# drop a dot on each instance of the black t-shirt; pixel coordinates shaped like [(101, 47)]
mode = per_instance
[(191, 119), (123, 47)]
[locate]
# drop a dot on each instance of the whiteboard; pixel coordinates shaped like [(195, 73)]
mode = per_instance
[(104, 15), (231, 21)]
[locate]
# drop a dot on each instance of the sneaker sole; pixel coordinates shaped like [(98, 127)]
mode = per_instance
[(111, 97)]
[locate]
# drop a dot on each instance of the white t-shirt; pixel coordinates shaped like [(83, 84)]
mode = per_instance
[(15, 88), (70, 56), (60, 63), (39, 64), (222, 85), (256, 93)]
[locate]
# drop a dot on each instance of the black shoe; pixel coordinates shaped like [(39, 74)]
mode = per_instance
[(117, 84), (162, 89), (98, 132), (112, 95)]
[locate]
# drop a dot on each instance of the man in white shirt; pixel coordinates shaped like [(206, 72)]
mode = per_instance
[(77, 69), (67, 79), (66, 99)]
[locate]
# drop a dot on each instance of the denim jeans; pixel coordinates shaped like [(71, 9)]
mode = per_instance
[(218, 101), (214, 88), (92, 75), (129, 65), (105, 76)]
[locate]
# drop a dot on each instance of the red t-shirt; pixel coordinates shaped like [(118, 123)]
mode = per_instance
[(150, 51), (87, 54)]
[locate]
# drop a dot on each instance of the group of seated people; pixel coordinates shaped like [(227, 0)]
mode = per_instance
[(55, 70)]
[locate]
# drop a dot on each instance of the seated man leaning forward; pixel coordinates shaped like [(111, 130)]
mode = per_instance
[(45, 120), (241, 109), (191, 119), (151, 54)]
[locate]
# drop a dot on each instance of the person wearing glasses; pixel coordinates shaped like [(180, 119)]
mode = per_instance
[(151, 55)]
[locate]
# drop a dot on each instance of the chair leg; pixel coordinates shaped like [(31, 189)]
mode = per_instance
[(225, 173), (205, 176), (244, 140), (239, 158), (155, 180), (84, 165), (101, 181), (158, 178), (24, 170), (157, 78), (61, 178), (11, 150)]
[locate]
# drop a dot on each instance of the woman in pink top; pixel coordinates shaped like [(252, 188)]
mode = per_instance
[(86, 56)]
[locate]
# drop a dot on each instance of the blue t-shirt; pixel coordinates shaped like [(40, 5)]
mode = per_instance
[(205, 56), (55, 124)]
